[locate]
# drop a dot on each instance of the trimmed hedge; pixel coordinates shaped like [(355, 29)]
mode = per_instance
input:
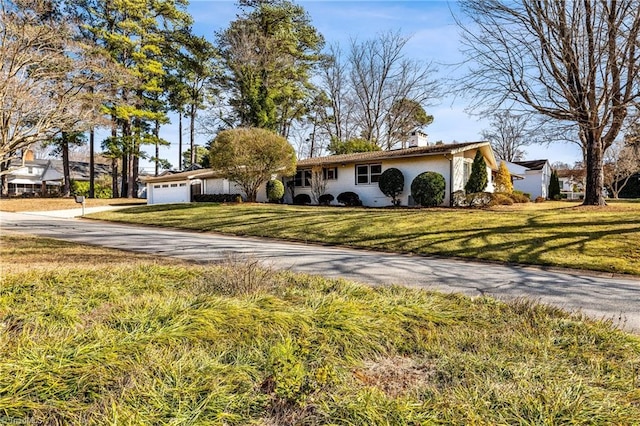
[(391, 184), (325, 199), (349, 199), (302, 199), (275, 191), (217, 198), (427, 189)]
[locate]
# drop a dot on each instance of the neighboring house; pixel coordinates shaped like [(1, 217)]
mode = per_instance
[(38, 177), (357, 172), (535, 175), (571, 183)]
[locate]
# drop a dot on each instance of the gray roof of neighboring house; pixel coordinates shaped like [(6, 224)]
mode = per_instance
[(52, 169), (532, 164)]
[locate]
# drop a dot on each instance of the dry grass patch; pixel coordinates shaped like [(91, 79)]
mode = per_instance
[(127, 340), (25, 253), (47, 204)]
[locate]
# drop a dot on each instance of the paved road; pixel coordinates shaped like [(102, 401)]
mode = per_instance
[(599, 296)]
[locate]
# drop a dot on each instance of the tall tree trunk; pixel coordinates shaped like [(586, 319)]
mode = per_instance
[(135, 167), (66, 188), (180, 140), (4, 182), (593, 195), (192, 133), (156, 133), (114, 165), (114, 178), (92, 165), (124, 175), (133, 159)]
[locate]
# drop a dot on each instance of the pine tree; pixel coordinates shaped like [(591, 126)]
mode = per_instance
[(554, 186), (478, 179), (503, 179)]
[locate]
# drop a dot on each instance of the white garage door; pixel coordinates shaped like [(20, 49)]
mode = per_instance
[(176, 192)]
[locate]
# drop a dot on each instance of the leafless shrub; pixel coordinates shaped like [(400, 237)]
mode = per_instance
[(238, 275)]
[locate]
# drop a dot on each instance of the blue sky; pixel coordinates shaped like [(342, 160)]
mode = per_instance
[(434, 37)]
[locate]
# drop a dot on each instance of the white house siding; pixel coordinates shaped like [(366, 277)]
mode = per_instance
[(225, 186), (168, 192), (370, 194), (535, 182), (216, 186)]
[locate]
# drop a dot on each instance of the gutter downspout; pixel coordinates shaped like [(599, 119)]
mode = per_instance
[(450, 158)]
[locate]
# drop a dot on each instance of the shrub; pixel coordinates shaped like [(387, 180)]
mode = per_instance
[(478, 179), (501, 199), (325, 199), (217, 198), (391, 184), (427, 189), (540, 200), (479, 199), (520, 197), (275, 191), (350, 199), (302, 199), (503, 179), (459, 199), (554, 186), (100, 189)]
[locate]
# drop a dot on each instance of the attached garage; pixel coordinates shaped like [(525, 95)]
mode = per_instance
[(170, 192), (179, 187)]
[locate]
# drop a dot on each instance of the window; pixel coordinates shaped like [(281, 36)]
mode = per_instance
[(30, 170), (174, 185), (165, 186), (303, 178), (467, 171), (330, 173), (183, 184), (156, 186), (368, 173)]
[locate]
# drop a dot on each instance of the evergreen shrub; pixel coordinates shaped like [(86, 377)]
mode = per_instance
[(275, 191), (302, 199), (349, 199), (427, 189), (325, 199)]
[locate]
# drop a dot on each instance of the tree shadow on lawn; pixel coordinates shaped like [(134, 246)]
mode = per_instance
[(528, 244)]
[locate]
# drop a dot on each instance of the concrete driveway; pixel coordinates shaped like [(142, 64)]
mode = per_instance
[(599, 296)]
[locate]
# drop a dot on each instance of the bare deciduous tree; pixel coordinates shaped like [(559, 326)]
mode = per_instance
[(382, 77), (508, 134), (375, 92), (572, 61), (318, 183), (44, 80)]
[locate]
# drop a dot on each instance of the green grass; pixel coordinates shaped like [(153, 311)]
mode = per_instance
[(551, 234), (131, 340)]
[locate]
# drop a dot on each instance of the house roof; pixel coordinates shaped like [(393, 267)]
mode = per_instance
[(532, 164), (419, 151), (575, 173), (187, 175)]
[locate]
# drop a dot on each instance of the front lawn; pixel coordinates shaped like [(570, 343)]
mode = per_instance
[(552, 233), (119, 338)]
